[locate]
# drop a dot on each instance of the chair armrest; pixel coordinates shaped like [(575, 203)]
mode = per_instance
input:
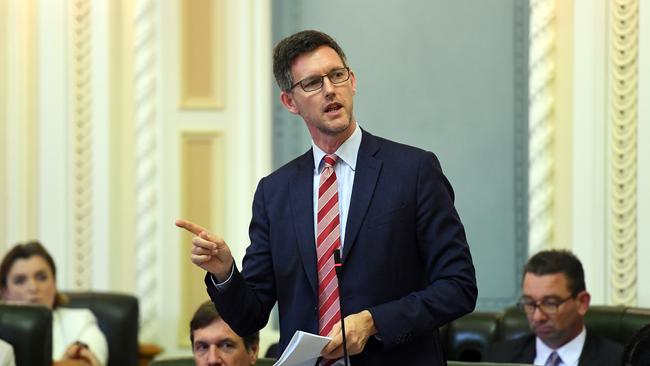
[(147, 352)]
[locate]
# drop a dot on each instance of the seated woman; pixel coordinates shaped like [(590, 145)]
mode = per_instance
[(28, 275)]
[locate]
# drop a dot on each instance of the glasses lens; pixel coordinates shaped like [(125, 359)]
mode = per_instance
[(549, 307), (339, 75), (523, 305), (312, 84)]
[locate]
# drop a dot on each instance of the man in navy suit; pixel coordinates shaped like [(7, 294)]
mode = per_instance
[(555, 300), (406, 265)]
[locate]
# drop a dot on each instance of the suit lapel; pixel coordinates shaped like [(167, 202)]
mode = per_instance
[(302, 208), (589, 354), (528, 351), (363, 188)]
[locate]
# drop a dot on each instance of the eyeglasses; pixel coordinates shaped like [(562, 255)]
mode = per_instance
[(336, 76), (547, 306)]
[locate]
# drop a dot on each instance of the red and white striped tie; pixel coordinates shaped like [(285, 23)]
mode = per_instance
[(328, 238)]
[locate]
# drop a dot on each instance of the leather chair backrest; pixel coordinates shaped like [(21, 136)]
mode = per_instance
[(469, 337), (633, 320), (605, 321), (512, 324), (29, 330), (117, 316), (617, 323)]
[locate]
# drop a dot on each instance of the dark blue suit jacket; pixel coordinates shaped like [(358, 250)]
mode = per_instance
[(597, 351), (405, 257)]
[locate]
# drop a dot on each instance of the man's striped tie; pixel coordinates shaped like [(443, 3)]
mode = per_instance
[(328, 238)]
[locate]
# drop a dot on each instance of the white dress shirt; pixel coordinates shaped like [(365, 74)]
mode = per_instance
[(344, 168), (569, 353)]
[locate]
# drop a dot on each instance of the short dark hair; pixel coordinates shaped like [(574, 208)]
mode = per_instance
[(637, 349), (25, 251), (288, 49), (206, 314), (558, 261)]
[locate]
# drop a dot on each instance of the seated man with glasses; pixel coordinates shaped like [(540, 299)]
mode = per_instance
[(555, 301)]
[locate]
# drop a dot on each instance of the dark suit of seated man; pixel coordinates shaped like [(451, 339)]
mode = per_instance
[(555, 300)]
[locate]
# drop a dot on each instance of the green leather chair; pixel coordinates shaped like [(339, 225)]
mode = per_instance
[(117, 317), (189, 361), (29, 330), (468, 338)]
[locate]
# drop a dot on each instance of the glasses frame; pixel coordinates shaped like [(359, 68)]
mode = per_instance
[(322, 79), (537, 305)]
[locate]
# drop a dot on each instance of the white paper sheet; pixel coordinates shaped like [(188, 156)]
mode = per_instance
[(303, 349)]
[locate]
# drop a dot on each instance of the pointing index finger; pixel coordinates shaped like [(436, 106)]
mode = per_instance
[(190, 226)]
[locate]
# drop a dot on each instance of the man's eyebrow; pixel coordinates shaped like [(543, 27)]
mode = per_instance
[(319, 75), (551, 297), (544, 298), (227, 339)]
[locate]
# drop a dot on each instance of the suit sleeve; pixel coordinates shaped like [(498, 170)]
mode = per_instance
[(246, 303), (451, 290)]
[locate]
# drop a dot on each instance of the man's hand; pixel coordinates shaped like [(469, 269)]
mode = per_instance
[(358, 328), (209, 251)]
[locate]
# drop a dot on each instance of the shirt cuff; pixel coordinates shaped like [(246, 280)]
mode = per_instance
[(223, 286)]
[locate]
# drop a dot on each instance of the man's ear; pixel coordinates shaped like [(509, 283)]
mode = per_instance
[(288, 102), (253, 351), (584, 298), (353, 81)]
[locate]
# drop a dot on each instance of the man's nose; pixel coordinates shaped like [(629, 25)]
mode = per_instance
[(214, 356), (539, 315), (328, 86)]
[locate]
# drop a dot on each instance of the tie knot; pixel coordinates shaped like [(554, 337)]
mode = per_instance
[(330, 160)]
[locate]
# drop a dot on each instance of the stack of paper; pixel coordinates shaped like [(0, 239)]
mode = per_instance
[(303, 350)]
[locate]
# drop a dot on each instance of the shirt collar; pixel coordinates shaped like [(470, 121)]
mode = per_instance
[(346, 153), (569, 353)]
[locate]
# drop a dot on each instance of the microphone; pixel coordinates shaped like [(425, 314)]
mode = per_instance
[(338, 267)]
